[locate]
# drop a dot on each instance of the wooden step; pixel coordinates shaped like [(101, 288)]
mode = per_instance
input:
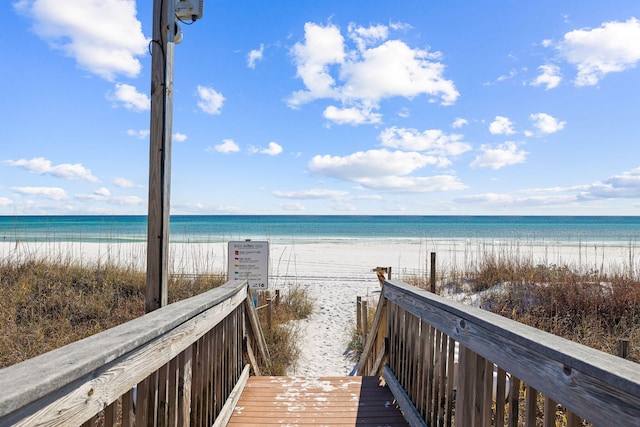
[(306, 401)]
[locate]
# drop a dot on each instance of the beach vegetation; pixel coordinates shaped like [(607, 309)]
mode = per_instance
[(48, 303), (594, 307), (283, 334)]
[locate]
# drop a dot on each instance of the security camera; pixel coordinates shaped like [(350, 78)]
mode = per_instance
[(189, 9)]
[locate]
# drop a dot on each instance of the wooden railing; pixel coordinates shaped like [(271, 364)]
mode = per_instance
[(177, 365), (450, 362)]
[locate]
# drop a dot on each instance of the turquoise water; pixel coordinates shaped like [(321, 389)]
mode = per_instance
[(215, 228)]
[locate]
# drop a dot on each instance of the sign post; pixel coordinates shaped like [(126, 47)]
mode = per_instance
[(249, 260)]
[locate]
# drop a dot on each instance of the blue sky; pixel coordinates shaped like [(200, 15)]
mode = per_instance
[(327, 107)]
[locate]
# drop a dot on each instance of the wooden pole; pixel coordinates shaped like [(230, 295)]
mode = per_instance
[(269, 313), (433, 272), (623, 348), (359, 314), (160, 153)]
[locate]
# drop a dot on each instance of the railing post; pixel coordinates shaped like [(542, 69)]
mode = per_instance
[(365, 321), (623, 348), (269, 313), (359, 315), (433, 273)]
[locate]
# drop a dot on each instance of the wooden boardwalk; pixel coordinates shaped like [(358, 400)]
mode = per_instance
[(327, 401)]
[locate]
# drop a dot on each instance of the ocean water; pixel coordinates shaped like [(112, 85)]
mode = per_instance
[(619, 230)]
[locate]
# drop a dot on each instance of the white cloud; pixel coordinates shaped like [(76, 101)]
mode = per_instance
[(506, 154), (365, 37), (394, 69), (352, 116), (179, 137), (273, 149), (385, 170), (612, 47), (210, 101), (550, 76), (367, 164), (130, 97), (501, 126), (293, 207), (103, 36), (140, 134), (433, 141), (255, 56), (411, 184), (459, 122), (496, 200), (42, 166), (360, 78), (126, 200), (227, 146), (4, 202), (625, 185), (101, 194), (53, 193), (323, 47), (124, 183), (311, 194), (545, 123)]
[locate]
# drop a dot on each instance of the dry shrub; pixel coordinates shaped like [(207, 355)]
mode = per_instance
[(591, 308), (284, 335), (48, 304)]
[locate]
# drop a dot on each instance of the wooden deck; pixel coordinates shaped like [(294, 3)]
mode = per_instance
[(327, 401)]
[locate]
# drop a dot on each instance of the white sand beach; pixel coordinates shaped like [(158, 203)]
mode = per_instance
[(335, 274)]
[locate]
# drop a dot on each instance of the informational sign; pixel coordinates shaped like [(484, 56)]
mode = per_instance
[(249, 260)]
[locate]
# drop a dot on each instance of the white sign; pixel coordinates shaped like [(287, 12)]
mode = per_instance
[(249, 260)]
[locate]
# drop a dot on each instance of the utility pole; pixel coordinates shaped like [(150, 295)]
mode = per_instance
[(164, 27)]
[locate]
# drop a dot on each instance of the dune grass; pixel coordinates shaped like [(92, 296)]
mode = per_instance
[(47, 304), (588, 306)]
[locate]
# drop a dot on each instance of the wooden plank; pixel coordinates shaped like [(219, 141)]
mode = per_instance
[(451, 374), (127, 409), (185, 364), (530, 406), (328, 401), (549, 413), (256, 329), (370, 341), (591, 383), (501, 382), (79, 401), (227, 410), (52, 371), (410, 412), (172, 397)]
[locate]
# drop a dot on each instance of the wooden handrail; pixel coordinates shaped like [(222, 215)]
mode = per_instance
[(424, 331), (72, 384)]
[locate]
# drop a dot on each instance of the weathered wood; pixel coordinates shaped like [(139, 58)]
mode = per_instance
[(589, 382), (432, 283), (549, 419), (256, 330), (377, 325), (323, 401), (185, 363), (227, 410), (530, 406), (54, 370), (160, 154), (409, 410), (88, 395)]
